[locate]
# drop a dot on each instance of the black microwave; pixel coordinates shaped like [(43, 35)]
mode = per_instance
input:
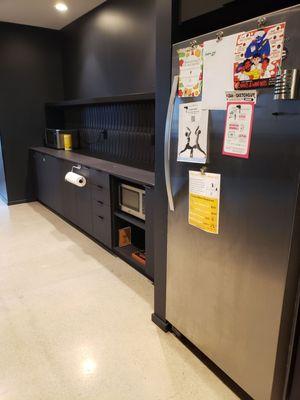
[(55, 138)]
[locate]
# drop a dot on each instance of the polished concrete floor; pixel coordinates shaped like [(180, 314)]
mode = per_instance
[(75, 321)]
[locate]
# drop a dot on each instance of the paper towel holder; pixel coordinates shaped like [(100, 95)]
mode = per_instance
[(76, 166)]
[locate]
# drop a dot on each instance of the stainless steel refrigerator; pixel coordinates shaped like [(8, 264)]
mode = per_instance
[(234, 295)]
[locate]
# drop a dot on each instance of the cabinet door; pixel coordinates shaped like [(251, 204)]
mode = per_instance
[(68, 194), (47, 172), (41, 190), (102, 223), (84, 208), (53, 174), (77, 202)]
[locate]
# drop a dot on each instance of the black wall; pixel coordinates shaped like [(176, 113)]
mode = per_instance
[(111, 50), (119, 132), (195, 17), (30, 75)]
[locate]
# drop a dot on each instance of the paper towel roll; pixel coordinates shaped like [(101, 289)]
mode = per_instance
[(75, 179)]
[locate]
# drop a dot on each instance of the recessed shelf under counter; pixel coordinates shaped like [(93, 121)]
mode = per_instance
[(129, 218)]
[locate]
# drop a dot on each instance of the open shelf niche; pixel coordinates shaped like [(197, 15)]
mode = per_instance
[(138, 226)]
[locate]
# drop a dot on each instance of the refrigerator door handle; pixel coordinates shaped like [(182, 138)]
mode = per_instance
[(168, 127)]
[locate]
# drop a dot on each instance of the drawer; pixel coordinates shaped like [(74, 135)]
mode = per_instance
[(101, 194), (102, 225), (99, 178), (99, 206)]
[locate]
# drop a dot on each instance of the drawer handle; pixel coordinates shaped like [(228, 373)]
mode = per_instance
[(102, 218), (99, 186), (99, 201)]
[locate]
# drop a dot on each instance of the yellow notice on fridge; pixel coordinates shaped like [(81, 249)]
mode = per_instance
[(204, 201)]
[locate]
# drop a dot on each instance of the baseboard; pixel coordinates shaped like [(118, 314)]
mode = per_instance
[(162, 324), (21, 201)]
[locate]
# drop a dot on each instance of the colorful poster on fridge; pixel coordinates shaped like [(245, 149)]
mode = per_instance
[(192, 133), (190, 71), (238, 129), (258, 56)]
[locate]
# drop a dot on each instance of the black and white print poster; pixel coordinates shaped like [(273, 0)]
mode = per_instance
[(192, 133)]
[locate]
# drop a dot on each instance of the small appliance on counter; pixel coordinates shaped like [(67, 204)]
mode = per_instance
[(132, 200), (55, 138)]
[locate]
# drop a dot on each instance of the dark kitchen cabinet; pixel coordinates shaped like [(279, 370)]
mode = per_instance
[(41, 189), (76, 201), (94, 208), (102, 223), (83, 206), (101, 209), (87, 207), (68, 194), (47, 171), (192, 18)]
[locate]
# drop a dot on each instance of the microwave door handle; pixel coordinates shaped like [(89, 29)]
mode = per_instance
[(168, 127)]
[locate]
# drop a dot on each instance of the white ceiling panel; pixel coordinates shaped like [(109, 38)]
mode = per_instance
[(42, 12)]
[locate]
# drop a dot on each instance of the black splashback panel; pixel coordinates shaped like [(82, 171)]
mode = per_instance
[(120, 132)]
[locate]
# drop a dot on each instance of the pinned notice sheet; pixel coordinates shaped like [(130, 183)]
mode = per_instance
[(218, 59), (238, 129), (190, 71), (192, 133), (204, 201)]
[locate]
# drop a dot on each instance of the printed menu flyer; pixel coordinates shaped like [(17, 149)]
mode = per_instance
[(238, 129), (190, 71), (204, 201), (258, 55)]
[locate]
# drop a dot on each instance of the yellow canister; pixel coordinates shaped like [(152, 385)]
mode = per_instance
[(68, 141)]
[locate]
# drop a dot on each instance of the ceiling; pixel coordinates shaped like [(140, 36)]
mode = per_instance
[(42, 12)]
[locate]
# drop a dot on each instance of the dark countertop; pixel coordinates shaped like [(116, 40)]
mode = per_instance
[(120, 170)]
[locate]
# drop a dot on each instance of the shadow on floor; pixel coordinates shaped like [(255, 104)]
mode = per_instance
[(63, 230)]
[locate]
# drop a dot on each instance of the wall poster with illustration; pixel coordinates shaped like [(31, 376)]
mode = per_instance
[(258, 55), (192, 134)]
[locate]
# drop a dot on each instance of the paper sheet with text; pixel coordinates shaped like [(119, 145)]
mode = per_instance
[(204, 201), (238, 129), (217, 72)]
